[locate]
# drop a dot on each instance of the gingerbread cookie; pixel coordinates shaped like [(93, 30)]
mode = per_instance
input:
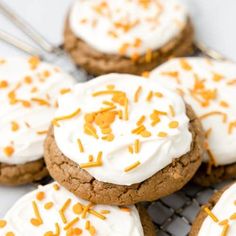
[(52, 210), (28, 91), (218, 216), (123, 140), (105, 36), (209, 87)]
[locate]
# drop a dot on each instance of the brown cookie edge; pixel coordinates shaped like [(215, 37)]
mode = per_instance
[(97, 63), (201, 216), (13, 175)]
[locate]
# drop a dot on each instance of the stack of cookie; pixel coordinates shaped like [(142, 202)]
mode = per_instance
[(119, 139)]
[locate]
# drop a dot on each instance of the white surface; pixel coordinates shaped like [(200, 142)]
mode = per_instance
[(214, 21)]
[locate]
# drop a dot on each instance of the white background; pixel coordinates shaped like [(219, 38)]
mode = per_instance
[(214, 22)]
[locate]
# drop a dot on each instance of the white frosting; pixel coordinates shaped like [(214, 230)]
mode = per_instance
[(155, 152), (221, 142), (118, 222), (28, 123), (223, 209), (105, 24)]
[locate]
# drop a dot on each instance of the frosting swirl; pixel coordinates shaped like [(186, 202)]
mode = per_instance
[(28, 91), (209, 87), (122, 129), (136, 29), (52, 210)]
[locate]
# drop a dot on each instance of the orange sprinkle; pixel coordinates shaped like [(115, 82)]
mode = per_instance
[(66, 117), (81, 147), (126, 115), (224, 115), (41, 101), (131, 167), (110, 86), (210, 213), (109, 137), (3, 84), (87, 224), (225, 230), (106, 92), (90, 158), (95, 213), (145, 74), (70, 224), (123, 49), (97, 163), (185, 65), (10, 233), (3, 223), (105, 211), (146, 134), (138, 130), (40, 196), (173, 124), (141, 120), (108, 103), (137, 94), (233, 216), (158, 94), (223, 222), (42, 132), (148, 56), (172, 74), (62, 210), (217, 77), (90, 130), (14, 126), (232, 82), (137, 146), (172, 110), (28, 79), (137, 42), (8, 151), (56, 187), (224, 104), (48, 205), (65, 90), (135, 57), (34, 90), (38, 220), (33, 62), (149, 97), (46, 74), (131, 150), (126, 209), (85, 210), (78, 208), (162, 134), (232, 125)]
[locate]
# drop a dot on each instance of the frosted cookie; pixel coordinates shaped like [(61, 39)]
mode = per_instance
[(209, 87), (52, 210), (218, 216), (123, 140), (126, 36), (28, 91)]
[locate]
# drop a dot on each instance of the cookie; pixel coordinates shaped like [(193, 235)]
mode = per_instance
[(209, 87), (217, 217), (28, 91), (126, 36), (123, 140), (52, 210)]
